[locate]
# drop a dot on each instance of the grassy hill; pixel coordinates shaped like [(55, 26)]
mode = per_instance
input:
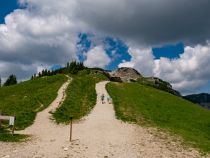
[(81, 96), (27, 98), (148, 106)]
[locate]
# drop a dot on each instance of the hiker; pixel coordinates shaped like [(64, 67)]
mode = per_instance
[(102, 98), (109, 99)]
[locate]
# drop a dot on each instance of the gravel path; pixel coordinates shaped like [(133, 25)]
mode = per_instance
[(99, 135)]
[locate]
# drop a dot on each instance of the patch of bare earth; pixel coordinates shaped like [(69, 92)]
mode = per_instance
[(99, 135)]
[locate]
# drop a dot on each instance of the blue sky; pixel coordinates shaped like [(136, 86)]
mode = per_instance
[(117, 50), (7, 6), (170, 51)]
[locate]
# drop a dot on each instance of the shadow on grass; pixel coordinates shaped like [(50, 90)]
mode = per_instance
[(6, 136)]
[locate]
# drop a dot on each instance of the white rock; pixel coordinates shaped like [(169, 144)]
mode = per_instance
[(65, 149)]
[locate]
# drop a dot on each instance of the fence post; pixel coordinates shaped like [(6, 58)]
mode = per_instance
[(71, 128)]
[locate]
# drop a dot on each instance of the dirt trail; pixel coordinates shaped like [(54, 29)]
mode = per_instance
[(48, 138), (99, 135)]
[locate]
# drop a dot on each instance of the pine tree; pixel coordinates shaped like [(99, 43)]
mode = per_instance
[(12, 80)]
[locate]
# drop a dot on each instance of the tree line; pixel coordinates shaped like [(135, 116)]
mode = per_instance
[(71, 67)]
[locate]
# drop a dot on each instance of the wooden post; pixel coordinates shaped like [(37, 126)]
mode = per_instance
[(71, 128)]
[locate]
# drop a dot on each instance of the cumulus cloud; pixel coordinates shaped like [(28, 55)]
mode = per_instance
[(190, 71), (43, 33), (142, 60), (186, 74), (126, 64), (97, 57)]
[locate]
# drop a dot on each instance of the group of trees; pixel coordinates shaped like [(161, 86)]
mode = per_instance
[(74, 67), (43, 73), (71, 67), (11, 80)]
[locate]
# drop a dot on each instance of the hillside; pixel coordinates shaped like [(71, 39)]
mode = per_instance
[(202, 99), (27, 98), (81, 96), (148, 106), (126, 75), (99, 134), (100, 131)]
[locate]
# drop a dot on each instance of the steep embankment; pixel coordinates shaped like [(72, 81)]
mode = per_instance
[(148, 106)]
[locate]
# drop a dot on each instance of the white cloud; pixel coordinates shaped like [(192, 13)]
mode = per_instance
[(186, 74), (142, 60), (126, 64), (189, 72), (46, 32), (97, 57)]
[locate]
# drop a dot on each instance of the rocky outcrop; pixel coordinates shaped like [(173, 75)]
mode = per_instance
[(125, 74), (159, 84)]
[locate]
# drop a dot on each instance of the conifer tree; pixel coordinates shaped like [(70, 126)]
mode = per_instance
[(12, 80)]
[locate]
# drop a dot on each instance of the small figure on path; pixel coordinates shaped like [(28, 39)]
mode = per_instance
[(102, 98), (109, 99)]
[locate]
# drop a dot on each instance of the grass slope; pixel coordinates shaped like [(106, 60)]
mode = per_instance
[(148, 106), (5, 136), (81, 97), (26, 99)]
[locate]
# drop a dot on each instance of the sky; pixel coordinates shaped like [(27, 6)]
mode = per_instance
[(161, 38), (6, 8)]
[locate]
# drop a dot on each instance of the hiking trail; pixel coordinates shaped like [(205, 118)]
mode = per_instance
[(98, 135)]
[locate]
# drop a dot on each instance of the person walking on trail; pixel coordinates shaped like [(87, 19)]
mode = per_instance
[(109, 99), (102, 98)]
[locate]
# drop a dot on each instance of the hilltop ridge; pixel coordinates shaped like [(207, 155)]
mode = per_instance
[(126, 74), (202, 99)]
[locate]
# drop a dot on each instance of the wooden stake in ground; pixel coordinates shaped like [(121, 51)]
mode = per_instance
[(71, 128)]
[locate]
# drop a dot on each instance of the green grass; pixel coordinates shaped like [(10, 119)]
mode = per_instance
[(27, 98), (5, 136), (81, 97), (148, 106)]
